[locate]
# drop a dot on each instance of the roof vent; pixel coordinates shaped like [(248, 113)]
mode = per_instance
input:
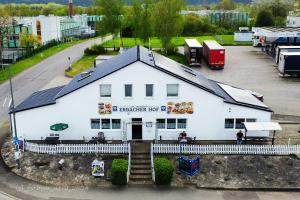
[(85, 74), (190, 72)]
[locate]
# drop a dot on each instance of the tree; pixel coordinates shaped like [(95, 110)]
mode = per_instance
[(264, 18), (167, 21), (28, 40), (5, 24), (112, 17), (226, 5), (145, 23)]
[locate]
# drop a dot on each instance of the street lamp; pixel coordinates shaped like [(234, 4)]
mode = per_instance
[(12, 111)]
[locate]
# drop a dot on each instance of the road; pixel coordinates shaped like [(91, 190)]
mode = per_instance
[(41, 74)]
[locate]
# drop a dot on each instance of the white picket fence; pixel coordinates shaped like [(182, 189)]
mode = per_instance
[(77, 148), (226, 149)]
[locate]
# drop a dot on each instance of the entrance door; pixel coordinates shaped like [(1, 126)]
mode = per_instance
[(137, 129)]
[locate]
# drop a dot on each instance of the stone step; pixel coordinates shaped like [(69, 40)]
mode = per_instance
[(140, 171), (140, 177), (144, 167), (140, 182), (140, 156), (140, 162)]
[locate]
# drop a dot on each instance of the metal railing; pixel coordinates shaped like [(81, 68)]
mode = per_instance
[(129, 162), (225, 149), (152, 164), (77, 148)]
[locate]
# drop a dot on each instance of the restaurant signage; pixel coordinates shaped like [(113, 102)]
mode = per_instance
[(170, 108)]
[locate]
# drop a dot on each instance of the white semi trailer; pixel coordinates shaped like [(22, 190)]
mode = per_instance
[(267, 36), (280, 49)]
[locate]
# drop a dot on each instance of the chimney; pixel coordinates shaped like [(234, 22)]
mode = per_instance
[(70, 8)]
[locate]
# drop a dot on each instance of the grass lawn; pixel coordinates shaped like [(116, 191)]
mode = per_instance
[(35, 59), (177, 41), (81, 65), (85, 63)]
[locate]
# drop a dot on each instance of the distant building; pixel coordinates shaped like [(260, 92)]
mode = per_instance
[(12, 39), (221, 16), (293, 21), (49, 28)]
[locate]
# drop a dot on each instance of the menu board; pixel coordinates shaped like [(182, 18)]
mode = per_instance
[(180, 108), (104, 108)]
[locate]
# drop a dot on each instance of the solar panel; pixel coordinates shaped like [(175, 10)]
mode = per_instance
[(242, 96)]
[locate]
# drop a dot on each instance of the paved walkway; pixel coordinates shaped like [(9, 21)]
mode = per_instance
[(38, 76)]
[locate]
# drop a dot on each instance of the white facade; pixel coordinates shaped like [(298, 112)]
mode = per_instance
[(80, 106), (243, 36)]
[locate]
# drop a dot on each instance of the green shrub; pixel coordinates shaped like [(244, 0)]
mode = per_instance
[(119, 169), (163, 171), (95, 50)]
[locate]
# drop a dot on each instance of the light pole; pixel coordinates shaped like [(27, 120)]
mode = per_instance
[(12, 109)]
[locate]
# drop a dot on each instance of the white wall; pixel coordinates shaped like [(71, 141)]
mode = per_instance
[(77, 108)]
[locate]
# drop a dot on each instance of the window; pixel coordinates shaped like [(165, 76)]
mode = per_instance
[(181, 123), (172, 90), (251, 120), (229, 123), (149, 90), (238, 123), (105, 90), (116, 123), (128, 90), (105, 123), (171, 123), (95, 123), (161, 123)]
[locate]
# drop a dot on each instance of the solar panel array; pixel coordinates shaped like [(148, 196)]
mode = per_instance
[(242, 96)]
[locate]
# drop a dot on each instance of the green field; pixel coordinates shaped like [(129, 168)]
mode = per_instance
[(35, 59), (177, 41)]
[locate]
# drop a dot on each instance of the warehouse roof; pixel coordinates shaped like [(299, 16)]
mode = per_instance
[(131, 56)]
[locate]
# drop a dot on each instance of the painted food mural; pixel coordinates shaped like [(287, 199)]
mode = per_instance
[(180, 108), (105, 108)]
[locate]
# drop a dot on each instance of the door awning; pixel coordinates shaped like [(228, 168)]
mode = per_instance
[(262, 126)]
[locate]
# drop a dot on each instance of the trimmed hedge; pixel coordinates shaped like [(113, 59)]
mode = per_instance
[(119, 169), (94, 50), (163, 171)]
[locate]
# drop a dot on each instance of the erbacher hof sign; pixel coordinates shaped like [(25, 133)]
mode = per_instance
[(137, 109), (170, 108)]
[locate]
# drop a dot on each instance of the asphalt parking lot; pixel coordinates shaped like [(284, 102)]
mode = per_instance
[(249, 68)]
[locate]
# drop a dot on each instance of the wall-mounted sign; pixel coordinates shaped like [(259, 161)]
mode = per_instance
[(97, 168), (104, 108), (148, 124), (180, 108)]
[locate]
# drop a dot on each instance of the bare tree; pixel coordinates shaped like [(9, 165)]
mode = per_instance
[(5, 23)]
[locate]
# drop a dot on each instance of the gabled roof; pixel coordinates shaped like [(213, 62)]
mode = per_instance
[(39, 99), (121, 61)]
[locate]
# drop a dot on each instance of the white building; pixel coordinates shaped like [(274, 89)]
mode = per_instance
[(140, 95), (49, 28), (293, 21)]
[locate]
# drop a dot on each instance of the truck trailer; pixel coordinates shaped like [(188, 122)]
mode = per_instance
[(267, 36), (214, 54), (193, 51), (280, 49), (289, 63)]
